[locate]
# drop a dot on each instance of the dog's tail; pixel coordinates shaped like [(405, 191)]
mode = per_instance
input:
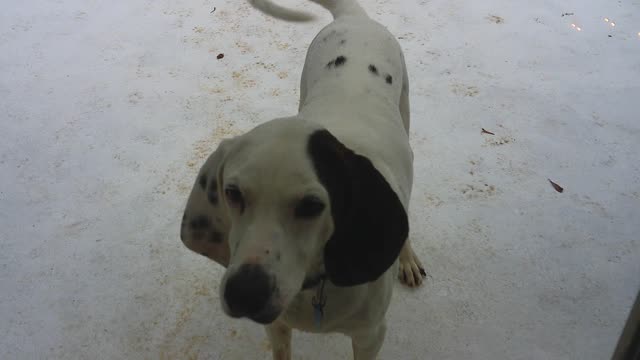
[(338, 8)]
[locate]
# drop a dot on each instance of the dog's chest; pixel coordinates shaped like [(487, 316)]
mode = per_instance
[(339, 306), (305, 315)]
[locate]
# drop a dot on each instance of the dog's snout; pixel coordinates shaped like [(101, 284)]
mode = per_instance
[(248, 291)]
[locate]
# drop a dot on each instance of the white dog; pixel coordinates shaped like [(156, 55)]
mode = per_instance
[(309, 213)]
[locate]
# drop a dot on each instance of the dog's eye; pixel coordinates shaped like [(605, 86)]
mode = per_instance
[(308, 207), (233, 195)]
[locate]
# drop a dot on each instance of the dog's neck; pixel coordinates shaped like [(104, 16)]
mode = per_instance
[(312, 281)]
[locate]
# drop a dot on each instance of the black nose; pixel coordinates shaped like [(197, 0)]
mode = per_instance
[(248, 291)]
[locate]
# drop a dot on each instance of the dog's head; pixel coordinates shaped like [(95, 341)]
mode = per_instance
[(286, 202)]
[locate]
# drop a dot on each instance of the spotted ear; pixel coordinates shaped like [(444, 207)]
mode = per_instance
[(370, 222), (205, 223)]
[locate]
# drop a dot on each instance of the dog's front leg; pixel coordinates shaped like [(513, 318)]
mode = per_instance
[(280, 338), (367, 343)]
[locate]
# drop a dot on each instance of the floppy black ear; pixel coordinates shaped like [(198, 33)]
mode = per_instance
[(205, 227), (370, 223)]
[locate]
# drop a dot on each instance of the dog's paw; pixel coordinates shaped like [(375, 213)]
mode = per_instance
[(411, 271)]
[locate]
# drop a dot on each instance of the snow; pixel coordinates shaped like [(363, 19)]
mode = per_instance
[(109, 108)]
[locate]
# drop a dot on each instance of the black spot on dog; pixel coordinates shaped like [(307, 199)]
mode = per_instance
[(328, 36), (212, 194), (216, 237), (343, 41), (339, 61), (203, 181), (200, 223), (332, 33), (213, 197), (373, 69), (388, 79)]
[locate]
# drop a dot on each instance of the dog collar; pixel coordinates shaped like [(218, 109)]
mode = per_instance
[(313, 281), (318, 302), (320, 299)]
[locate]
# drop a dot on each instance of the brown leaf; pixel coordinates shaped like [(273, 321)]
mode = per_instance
[(487, 132), (220, 56), (556, 186)]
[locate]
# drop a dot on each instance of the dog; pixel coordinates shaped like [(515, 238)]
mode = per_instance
[(308, 213)]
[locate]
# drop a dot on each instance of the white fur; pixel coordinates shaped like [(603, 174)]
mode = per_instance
[(369, 114)]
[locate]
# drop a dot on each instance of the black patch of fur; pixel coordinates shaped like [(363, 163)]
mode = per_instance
[(200, 222), (343, 41), (332, 33), (370, 223), (373, 69), (212, 193), (339, 61), (213, 197), (388, 79), (216, 237)]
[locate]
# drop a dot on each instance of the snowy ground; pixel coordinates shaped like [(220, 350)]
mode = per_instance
[(107, 109)]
